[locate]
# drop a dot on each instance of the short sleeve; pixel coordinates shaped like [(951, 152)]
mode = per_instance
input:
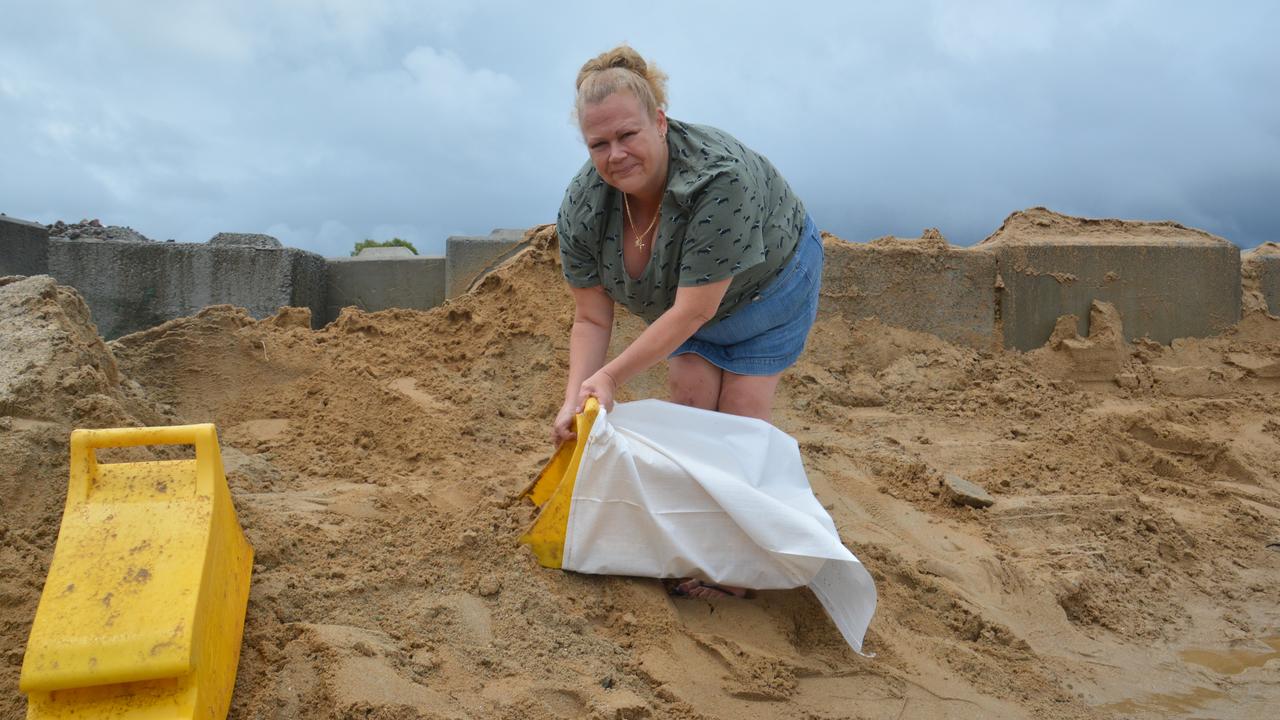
[(578, 248), (725, 234)]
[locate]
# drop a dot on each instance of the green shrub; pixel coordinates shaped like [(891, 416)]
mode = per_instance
[(393, 242)]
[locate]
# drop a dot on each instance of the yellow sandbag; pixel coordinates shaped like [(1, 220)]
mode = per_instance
[(553, 491), (143, 609)]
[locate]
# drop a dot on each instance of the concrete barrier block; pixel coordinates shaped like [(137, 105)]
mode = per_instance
[(371, 253), (1261, 269), (308, 283), (375, 283), (134, 286), (924, 285), (24, 247), (1167, 281), (254, 240), (467, 258)]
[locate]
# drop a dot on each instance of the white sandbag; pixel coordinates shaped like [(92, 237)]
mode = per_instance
[(670, 491)]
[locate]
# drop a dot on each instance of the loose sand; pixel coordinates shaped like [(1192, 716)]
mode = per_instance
[(1124, 570), (1038, 225)]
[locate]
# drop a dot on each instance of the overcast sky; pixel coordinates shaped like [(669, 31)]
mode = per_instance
[(326, 122)]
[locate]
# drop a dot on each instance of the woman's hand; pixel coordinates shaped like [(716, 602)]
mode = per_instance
[(562, 428), (600, 386)]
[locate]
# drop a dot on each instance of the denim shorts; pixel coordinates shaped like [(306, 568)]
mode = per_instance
[(767, 335)]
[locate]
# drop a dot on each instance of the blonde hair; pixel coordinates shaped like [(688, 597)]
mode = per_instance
[(621, 69)]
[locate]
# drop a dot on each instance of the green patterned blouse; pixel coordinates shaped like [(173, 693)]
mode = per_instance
[(726, 213)]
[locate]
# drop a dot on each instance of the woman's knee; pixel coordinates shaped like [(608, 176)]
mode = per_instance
[(692, 394), (693, 381), (746, 405), (748, 397)]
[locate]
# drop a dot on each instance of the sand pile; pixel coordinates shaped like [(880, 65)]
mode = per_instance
[(1123, 569), (1254, 265), (55, 374), (1040, 224)]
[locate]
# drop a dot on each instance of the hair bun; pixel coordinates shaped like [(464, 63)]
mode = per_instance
[(649, 83), (624, 57)]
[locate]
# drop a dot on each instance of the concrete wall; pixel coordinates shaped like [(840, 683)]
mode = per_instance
[(374, 281), (921, 285), (1164, 290), (134, 286), (24, 247), (467, 258), (1008, 291)]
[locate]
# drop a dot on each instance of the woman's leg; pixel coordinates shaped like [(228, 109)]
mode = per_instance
[(748, 395), (693, 381)]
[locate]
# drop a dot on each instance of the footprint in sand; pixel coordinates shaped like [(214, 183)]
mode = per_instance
[(408, 387)]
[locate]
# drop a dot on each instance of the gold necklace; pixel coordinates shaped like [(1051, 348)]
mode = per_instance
[(640, 238)]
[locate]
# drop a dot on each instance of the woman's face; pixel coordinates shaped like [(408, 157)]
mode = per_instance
[(628, 148)]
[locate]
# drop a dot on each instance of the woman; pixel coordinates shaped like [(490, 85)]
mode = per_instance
[(698, 235)]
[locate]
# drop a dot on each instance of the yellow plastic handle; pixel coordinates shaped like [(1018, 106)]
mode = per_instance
[(84, 461), (584, 419), (133, 437)]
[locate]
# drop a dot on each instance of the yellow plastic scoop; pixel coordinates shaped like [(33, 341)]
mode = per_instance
[(553, 492), (143, 609)]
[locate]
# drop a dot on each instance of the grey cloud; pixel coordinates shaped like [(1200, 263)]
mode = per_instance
[(336, 121)]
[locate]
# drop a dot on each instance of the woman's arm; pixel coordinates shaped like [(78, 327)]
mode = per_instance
[(694, 306), (588, 345)]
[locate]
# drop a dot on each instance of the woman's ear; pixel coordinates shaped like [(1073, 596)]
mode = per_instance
[(662, 123)]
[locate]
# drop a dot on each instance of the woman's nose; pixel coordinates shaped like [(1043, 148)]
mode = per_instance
[(617, 151)]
